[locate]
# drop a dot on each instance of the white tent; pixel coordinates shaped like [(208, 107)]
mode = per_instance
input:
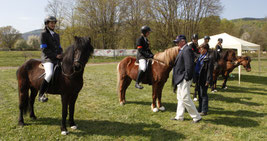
[(231, 42)]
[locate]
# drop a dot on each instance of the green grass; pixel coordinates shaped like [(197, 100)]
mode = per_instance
[(238, 113), (16, 58)]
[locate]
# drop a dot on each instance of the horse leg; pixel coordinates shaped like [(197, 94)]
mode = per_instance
[(155, 88), (123, 85), (71, 110), (32, 100), (64, 102), (160, 87), (226, 75)]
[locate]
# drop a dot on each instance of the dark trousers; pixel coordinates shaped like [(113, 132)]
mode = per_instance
[(203, 98)]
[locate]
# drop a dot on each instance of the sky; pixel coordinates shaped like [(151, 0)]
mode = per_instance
[(28, 15)]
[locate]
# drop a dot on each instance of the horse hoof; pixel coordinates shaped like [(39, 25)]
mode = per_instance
[(21, 124), (74, 127), (64, 132), (225, 88), (121, 103), (155, 110), (33, 117), (162, 108), (195, 99), (215, 90)]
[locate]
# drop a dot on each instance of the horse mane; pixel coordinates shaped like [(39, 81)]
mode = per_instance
[(225, 55), (81, 43), (167, 56)]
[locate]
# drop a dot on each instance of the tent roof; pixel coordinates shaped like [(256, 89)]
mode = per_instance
[(231, 42)]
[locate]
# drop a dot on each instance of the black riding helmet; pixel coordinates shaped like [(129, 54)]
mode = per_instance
[(220, 39), (206, 37), (194, 36), (50, 19), (145, 29)]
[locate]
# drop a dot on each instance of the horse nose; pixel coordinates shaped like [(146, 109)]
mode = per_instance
[(77, 66)]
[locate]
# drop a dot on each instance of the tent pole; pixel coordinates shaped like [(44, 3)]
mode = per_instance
[(239, 74), (259, 60)]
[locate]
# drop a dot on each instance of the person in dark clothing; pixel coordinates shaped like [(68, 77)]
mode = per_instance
[(51, 53), (203, 77), (143, 53), (194, 44), (206, 41), (218, 51)]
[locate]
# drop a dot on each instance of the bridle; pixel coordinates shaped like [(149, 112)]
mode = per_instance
[(76, 59)]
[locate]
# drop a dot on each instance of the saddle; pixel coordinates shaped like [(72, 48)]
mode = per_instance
[(52, 88), (147, 77)]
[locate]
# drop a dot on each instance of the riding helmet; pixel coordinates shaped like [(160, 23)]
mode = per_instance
[(220, 39), (50, 19), (194, 36), (145, 29), (206, 37)]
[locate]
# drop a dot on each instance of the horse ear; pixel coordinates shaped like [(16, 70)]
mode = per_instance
[(76, 38), (89, 39)]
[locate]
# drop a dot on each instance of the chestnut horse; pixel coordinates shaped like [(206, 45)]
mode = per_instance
[(226, 64), (68, 85), (157, 75)]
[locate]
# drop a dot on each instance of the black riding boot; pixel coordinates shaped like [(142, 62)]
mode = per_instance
[(139, 77), (43, 89)]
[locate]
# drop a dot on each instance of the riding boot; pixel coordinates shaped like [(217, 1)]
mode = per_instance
[(43, 89), (139, 77)]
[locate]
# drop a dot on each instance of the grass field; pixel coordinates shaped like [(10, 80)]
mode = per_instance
[(16, 58), (238, 113)]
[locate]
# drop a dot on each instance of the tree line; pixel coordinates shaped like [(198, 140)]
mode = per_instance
[(113, 24)]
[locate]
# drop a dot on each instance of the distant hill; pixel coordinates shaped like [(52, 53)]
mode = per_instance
[(36, 32), (249, 19)]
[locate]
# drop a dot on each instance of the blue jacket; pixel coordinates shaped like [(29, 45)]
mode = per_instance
[(184, 65)]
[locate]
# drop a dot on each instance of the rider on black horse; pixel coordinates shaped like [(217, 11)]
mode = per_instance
[(51, 53), (143, 54)]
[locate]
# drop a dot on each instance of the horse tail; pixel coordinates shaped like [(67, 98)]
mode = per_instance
[(118, 77), (23, 78)]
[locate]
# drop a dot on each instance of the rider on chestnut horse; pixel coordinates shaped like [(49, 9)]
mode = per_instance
[(143, 54)]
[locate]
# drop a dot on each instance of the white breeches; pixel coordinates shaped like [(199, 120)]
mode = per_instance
[(48, 66), (185, 101), (142, 65)]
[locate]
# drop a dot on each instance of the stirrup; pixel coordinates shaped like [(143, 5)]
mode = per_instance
[(138, 86), (43, 99)]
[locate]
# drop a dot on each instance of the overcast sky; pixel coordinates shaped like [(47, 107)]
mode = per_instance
[(28, 15)]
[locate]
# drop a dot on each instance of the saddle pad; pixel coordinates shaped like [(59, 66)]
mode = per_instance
[(41, 66)]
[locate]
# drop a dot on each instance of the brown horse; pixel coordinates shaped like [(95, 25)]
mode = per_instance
[(68, 85), (157, 75), (226, 64)]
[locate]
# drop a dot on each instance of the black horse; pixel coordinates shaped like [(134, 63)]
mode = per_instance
[(68, 85)]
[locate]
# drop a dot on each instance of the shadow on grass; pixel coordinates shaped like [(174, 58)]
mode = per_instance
[(234, 122), (239, 113), (241, 100), (116, 129), (236, 89), (168, 106)]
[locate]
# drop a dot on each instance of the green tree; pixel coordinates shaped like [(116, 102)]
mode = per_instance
[(8, 36), (34, 42), (21, 44)]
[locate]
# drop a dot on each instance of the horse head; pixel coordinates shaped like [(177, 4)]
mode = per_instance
[(245, 62), (82, 51), (77, 55)]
